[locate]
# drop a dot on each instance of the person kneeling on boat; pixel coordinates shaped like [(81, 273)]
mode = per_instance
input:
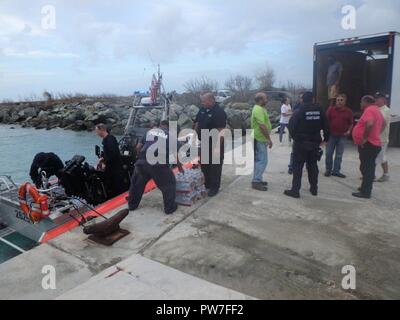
[(153, 163), (111, 162), (45, 162)]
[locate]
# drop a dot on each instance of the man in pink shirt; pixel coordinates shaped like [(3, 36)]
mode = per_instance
[(367, 135)]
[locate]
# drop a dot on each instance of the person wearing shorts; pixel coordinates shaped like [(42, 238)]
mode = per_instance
[(381, 101)]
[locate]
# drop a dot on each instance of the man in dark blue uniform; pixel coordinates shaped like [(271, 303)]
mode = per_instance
[(305, 127), (112, 163), (210, 117), (296, 107), (157, 168)]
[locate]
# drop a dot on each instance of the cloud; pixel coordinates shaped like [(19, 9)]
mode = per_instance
[(188, 37), (8, 52), (166, 31), (12, 25)]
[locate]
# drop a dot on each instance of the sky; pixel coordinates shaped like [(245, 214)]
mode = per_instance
[(113, 47)]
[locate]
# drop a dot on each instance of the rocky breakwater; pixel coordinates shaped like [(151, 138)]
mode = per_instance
[(78, 116), (239, 114), (84, 115)]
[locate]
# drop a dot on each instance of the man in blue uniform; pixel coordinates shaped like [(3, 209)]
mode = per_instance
[(112, 162), (296, 107), (147, 168), (305, 128), (210, 117)]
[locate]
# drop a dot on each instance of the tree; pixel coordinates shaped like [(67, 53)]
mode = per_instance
[(47, 96), (266, 79), (240, 86), (295, 88), (196, 87)]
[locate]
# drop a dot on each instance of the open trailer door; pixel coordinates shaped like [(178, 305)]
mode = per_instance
[(370, 64), (395, 92)]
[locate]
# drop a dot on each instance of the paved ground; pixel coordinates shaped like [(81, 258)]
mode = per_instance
[(262, 245), (272, 247)]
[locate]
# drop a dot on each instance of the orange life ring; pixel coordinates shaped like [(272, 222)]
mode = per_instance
[(39, 208)]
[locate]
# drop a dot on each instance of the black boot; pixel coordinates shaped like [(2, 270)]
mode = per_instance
[(291, 193)]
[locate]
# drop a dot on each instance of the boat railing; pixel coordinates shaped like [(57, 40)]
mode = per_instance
[(7, 184)]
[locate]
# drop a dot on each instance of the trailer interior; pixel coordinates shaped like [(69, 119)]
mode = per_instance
[(367, 68)]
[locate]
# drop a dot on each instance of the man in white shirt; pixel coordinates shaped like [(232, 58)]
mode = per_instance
[(286, 113), (381, 101)]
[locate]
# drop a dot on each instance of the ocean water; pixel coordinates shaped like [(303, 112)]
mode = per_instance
[(19, 146), (17, 149)]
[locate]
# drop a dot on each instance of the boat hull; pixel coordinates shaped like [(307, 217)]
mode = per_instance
[(12, 216)]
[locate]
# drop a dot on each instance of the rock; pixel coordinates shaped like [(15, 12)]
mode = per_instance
[(184, 122), (235, 120), (96, 118), (108, 114), (4, 116), (85, 114), (176, 108), (238, 119), (111, 121), (41, 126), (192, 111), (43, 114), (240, 106), (99, 106), (70, 118), (117, 130), (29, 112), (149, 117), (77, 126), (14, 117), (173, 116)]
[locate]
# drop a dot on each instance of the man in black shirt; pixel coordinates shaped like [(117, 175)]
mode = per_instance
[(47, 162), (305, 128), (154, 164), (210, 117), (112, 162)]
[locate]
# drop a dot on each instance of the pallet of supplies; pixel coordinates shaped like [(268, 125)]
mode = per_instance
[(190, 187)]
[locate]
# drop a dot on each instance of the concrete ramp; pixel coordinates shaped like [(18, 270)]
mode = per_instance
[(139, 278)]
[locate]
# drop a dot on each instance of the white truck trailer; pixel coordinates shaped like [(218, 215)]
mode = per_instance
[(370, 64)]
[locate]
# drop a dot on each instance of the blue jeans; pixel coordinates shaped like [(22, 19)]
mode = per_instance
[(260, 160), (282, 128), (335, 143)]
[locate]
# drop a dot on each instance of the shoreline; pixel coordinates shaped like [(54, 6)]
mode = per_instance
[(85, 114)]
